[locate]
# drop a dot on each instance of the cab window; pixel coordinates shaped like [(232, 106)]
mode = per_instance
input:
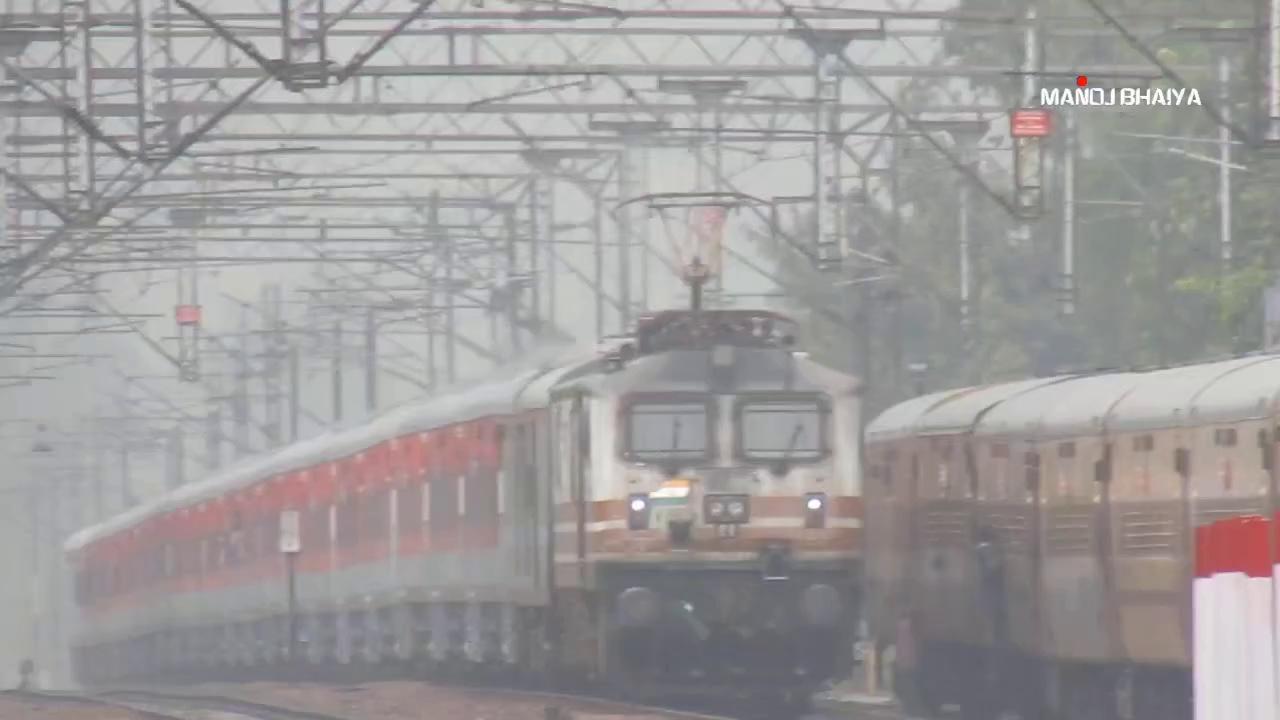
[(782, 429), (661, 429)]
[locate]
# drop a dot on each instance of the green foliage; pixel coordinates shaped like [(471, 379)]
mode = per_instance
[(1152, 287)]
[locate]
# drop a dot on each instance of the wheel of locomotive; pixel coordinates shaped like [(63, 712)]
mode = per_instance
[(371, 646), (316, 639), (626, 686), (250, 644), (227, 648), (270, 641), (342, 645), (537, 648), (404, 633), (799, 703)]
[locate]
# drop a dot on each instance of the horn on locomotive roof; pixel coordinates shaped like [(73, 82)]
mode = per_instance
[(702, 216)]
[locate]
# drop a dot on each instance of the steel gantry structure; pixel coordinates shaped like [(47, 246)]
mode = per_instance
[(429, 183)]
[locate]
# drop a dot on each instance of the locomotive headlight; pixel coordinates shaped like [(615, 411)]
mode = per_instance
[(638, 517), (715, 509), (737, 509), (815, 510)]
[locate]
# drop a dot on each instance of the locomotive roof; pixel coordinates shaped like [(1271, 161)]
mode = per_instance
[(497, 394), (723, 369)]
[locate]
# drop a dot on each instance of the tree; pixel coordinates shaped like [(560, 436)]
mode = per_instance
[(1151, 285)]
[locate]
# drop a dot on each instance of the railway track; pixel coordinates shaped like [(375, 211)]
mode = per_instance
[(484, 702), (50, 702), (213, 703), (341, 682), (150, 705)]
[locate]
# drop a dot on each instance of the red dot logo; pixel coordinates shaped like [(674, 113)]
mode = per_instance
[(1082, 80)]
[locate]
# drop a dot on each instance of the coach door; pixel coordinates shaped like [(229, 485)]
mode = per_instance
[(581, 463), (1104, 547), (523, 491)]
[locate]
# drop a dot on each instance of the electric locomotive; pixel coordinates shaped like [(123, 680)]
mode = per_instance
[(726, 513)]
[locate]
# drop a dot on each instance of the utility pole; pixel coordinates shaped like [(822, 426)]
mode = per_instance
[(272, 393), (966, 134), (495, 275), (535, 256), (544, 187), (177, 457), (895, 298), (38, 478), (336, 371), (431, 311), (1224, 162), (294, 382), (446, 258), (240, 406), (830, 240), (1067, 299), (127, 499), (636, 136), (290, 544), (645, 238), (1032, 62), (213, 438), (1273, 71), (597, 258), (513, 286), (97, 477), (371, 359)]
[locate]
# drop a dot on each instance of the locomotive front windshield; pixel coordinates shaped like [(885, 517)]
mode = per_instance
[(667, 430), (772, 430)]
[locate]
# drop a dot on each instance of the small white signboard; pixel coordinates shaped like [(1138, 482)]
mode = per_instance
[(290, 532)]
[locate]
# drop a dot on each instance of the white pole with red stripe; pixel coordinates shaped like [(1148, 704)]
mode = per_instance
[(1236, 601), (1203, 660)]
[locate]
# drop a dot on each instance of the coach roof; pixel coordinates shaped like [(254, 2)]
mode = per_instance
[(960, 412), (460, 403), (1075, 406), (1248, 392), (1163, 398), (902, 419)]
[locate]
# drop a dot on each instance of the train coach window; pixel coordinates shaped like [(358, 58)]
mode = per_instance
[(658, 431), (772, 430), (1144, 443), (1225, 437)]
